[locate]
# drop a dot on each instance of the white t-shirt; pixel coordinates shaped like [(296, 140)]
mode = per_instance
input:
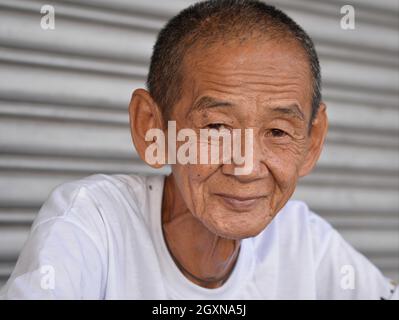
[(100, 238)]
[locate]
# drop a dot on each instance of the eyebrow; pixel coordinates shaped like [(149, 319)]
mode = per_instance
[(292, 110), (207, 102)]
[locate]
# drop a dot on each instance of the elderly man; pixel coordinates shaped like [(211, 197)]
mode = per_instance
[(206, 231)]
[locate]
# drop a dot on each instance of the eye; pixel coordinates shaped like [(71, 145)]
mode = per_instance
[(277, 133), (216, 126)]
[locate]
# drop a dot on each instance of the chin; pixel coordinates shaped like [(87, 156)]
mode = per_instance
[(239, 229), (238, 235)]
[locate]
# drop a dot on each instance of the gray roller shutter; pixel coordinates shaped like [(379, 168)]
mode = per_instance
[(64, 95)]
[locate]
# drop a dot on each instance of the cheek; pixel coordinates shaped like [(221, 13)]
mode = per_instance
[(284, 163), (291, 149), (193, 184)]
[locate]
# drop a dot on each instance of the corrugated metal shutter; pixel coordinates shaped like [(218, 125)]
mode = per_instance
[(64, 95)]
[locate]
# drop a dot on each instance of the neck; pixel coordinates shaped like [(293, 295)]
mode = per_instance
[(202, 256)]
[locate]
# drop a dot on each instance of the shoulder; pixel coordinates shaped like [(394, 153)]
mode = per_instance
[(91, 196), (298, 227), (296, 215)]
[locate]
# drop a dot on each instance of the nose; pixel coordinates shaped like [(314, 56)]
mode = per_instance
[(255, 166)]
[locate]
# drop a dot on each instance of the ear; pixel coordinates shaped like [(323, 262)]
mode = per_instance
[(317, 136), (144, 115)]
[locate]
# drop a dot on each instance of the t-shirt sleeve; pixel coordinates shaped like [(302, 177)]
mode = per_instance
[(61, 258), (342, 272)]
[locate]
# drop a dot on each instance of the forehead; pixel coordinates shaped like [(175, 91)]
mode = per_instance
[(263, 71)]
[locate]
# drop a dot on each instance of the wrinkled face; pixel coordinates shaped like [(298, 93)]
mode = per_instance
[(264, 86)]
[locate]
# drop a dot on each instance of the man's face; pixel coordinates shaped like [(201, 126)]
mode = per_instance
[(263, 86)]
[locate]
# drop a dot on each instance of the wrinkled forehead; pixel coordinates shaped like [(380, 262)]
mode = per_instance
[(258, 69)]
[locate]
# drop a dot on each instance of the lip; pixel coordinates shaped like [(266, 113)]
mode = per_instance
[(237, 202)]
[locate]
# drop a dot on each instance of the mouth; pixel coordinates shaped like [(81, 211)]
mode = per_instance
[(240, 203)]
